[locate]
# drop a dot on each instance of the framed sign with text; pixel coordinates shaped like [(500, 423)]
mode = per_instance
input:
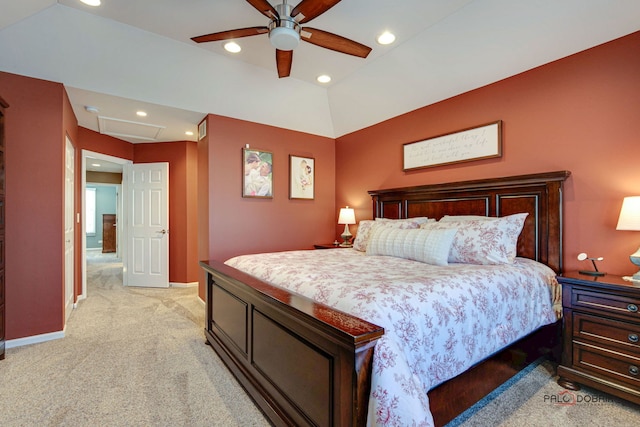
[(481, 142)]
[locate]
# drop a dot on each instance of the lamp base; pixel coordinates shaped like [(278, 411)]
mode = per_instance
[(346, 237), (591, 273)]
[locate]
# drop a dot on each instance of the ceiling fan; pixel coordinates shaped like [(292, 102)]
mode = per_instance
[(285, 31)]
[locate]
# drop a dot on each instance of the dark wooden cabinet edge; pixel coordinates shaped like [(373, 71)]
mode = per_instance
[(3, 324)]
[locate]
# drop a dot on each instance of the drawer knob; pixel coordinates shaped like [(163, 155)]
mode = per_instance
[(633, 370), (632, 308), (633, 338)]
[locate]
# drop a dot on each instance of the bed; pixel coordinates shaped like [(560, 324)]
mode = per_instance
[(307, 363)]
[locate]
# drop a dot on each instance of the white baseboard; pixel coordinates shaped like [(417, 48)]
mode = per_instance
[(182, 285), (35, 339)]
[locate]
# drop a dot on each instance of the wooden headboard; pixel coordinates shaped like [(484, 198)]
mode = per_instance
[(538, 194)]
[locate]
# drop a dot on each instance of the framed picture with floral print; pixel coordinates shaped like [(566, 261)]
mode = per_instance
[(301, 177)]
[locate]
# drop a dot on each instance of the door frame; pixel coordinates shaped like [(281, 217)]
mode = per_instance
[(69, 227), (120, 210)]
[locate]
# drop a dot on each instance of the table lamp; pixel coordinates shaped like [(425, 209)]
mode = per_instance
[(630, 220), (346, 217)]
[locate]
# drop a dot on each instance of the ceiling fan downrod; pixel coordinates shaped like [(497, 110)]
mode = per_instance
[(284, 33)]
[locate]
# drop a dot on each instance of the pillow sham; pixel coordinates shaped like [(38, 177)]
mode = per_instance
[(365, 227), (428, 246), (483, 241)]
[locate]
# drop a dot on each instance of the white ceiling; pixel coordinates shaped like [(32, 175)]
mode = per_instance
[(137, 54)]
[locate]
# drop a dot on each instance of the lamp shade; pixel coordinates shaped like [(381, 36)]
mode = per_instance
[(347, 216), (629, 214)]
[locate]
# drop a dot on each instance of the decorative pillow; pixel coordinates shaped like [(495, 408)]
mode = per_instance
[(365, 227), (483, 241), (428, 246)]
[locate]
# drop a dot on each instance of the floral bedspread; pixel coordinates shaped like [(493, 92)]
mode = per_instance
[(438, 321)]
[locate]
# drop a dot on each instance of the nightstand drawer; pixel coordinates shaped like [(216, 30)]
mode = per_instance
[(610, 364), (603, 302), (607, 331)]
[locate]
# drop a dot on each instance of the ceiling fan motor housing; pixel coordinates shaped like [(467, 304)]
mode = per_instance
[(284, 33)]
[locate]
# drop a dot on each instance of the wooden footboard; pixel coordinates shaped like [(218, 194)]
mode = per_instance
[(303, 363)]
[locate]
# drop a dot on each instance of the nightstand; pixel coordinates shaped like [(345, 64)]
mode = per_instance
[(601, 330), (330, 246)]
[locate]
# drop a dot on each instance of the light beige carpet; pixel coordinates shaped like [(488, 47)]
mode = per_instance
[(130, 357)]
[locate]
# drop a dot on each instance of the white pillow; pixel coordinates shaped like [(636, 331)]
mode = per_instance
[(428, 246), (483, 241), (365, 227)]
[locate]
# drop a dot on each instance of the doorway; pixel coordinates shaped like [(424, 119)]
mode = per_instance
[(116, 165)]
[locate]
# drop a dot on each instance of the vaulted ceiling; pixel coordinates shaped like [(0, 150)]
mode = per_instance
[(129, 55)]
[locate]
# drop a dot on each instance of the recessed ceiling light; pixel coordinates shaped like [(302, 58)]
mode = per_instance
[(324, 78), (91, 2), (141, 113), (97, 165), (232, 47), (189, 133), (386, 38)]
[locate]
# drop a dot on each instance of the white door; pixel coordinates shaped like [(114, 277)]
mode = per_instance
[(148, 225), (69, 222)]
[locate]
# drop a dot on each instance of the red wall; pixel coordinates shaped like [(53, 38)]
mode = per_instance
[(104, 144), (183, 215), (240, 225), (37, 119), (579, 114)]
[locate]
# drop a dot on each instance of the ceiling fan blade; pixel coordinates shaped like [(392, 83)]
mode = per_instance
[(311, 9), (334, 42), (284, 58), (265, 8), (231, 34)]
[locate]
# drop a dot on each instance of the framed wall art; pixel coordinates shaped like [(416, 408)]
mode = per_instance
[(257, 180), (301, 177), (481, 142)]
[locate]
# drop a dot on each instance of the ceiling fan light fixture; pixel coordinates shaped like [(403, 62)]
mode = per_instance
[(284, 38)]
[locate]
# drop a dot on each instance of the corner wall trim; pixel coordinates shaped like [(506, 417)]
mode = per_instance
[(183, 285)]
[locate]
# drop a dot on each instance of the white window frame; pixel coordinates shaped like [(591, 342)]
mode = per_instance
[(90, 213)]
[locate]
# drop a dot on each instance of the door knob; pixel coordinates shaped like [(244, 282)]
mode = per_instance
[(162, 231)]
